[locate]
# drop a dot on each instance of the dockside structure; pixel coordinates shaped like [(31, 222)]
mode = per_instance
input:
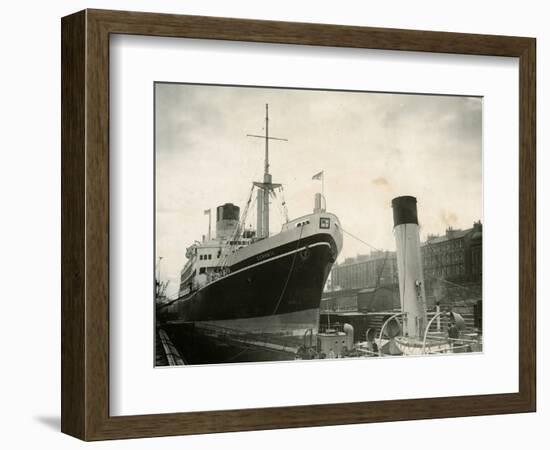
[(454, 256), (369, 282)]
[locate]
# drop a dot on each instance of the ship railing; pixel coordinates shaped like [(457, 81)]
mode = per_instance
[(456, 344), (366, 351)]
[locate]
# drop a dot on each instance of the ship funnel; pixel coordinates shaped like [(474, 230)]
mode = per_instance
[(227, 220), (409, 265)]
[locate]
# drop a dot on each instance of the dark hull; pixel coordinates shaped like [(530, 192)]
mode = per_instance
[(197, 347), (287, 281)]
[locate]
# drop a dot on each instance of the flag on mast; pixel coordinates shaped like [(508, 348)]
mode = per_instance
[(318, 176), (206, 211)]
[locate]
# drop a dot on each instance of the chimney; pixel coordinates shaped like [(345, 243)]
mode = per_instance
[(227, 220), (409, 265)]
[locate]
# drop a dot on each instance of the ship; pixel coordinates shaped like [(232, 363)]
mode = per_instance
[(254, 281)]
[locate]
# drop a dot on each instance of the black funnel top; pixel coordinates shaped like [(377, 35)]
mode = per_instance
[(228, 211), (404, 210)]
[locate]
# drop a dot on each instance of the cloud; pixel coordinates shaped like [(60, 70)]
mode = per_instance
[(381, 181)]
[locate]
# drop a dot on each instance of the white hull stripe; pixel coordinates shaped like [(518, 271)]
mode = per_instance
[(259, 264)]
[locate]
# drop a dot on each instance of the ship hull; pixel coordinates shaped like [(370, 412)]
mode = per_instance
[(288, 324), (275, 292), (200, 346)]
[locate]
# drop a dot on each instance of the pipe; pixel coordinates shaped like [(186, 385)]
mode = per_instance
[(436, 316)]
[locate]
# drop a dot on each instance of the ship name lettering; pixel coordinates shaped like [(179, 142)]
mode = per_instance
[(264, 256)]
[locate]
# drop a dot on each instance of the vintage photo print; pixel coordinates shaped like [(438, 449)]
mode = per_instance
[(307, 224)]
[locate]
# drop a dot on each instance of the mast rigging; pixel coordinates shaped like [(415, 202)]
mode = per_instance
[(266, 187)]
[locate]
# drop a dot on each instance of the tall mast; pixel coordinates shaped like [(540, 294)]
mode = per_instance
[(267, 177), (266, 187), (266, 167)]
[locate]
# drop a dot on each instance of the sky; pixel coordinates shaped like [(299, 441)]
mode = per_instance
[(372, 147)]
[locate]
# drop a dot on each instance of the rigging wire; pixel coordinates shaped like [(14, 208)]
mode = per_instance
[(386, 254), (281, 211), (289, 272), (447, 281), (237, 230), (360, 240), (379, 277), (405, 249), (438, 259), (283, 204)]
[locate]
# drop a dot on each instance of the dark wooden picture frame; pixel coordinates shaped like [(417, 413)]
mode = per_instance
[(85, 224)]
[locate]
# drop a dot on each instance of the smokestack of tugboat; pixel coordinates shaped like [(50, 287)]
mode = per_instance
[(227, 218), (409, 266)]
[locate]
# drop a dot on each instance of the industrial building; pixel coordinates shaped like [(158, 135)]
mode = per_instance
[(452, 265)]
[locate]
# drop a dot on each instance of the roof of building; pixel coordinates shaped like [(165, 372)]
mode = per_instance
[(449, 235)]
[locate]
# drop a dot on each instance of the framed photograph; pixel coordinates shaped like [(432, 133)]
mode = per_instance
[(272, 224)]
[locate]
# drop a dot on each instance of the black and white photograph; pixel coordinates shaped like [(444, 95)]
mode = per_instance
[(308, 224), (272, 225)]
